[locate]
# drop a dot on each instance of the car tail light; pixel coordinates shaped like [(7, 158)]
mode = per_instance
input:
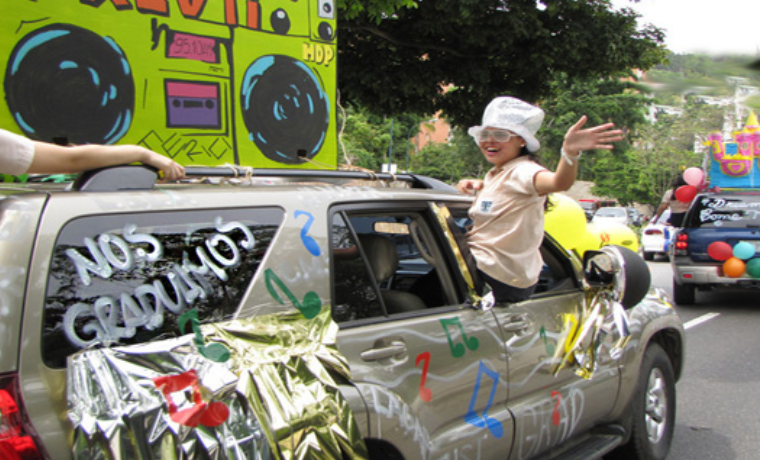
[(682, 244), (18, 441), (653, 231)]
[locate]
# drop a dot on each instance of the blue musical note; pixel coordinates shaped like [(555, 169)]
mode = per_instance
[(472, 417), (309, 242)]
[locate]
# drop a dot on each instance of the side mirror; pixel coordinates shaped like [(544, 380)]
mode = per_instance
[(620, 269)]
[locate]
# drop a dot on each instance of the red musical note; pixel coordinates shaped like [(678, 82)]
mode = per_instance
[(210, 415), (425, 393), (556, 417)]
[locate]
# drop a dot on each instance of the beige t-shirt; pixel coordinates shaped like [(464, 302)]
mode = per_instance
[(16, 153), (508, 224)]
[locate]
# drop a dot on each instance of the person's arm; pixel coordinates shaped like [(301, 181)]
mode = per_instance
[(660, 210), (576, 140), (56, 159), (470, 186)]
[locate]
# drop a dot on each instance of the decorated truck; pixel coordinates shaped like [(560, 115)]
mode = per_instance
[(718, 246)]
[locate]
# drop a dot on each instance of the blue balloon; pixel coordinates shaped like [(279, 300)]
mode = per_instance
[(744, 250)]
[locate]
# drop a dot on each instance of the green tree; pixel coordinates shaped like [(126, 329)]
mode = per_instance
[(395, 55)]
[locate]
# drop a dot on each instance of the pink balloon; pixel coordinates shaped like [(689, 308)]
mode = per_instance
[(720, 250), (693, 176), (686, 193)]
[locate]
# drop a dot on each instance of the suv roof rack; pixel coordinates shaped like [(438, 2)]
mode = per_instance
[(129, 177)]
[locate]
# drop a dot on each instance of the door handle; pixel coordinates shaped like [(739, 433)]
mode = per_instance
[(376, 354), (517, 323)]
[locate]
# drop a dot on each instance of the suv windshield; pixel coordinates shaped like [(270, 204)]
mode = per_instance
[(725, 211)]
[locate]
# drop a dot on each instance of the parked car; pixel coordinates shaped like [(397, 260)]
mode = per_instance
[(616, 214), (635, 217), (657, 237), (297, 313), (714, 225)]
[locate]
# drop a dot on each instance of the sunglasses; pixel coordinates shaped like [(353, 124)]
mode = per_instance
[(497, 135)]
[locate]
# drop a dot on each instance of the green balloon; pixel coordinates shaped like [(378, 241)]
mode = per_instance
[(753, 268)]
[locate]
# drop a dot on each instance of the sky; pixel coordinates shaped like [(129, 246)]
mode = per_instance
[(703, 26)]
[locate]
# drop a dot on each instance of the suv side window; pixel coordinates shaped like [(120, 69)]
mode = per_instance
[(385, 263), (126, 278)]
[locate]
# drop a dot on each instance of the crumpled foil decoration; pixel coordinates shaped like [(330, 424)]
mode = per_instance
[(582, 339), (276, 397)]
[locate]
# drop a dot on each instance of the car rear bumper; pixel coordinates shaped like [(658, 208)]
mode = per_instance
[(709, 275)]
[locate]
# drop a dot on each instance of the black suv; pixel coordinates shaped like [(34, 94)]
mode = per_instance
[(726, 218)]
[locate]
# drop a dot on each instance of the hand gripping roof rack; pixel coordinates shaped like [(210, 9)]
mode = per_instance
[(129, 177)]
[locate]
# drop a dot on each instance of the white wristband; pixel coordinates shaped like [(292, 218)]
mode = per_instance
[(568, 159)]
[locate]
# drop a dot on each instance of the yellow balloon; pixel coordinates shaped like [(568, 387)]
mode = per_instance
[(565, 221), (617, 234), (591, 240)]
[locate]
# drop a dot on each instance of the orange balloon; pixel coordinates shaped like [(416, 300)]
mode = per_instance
[(734, 267)]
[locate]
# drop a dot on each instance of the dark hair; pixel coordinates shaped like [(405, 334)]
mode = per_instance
[(679, 181)]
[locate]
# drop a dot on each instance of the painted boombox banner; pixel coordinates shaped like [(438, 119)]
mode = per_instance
[(206, 82), (736, 163)]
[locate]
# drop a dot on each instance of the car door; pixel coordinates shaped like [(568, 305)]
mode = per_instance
[(433, 378), (550, 398)]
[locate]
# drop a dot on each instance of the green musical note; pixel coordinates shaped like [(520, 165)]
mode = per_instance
[(549, 346), (213, 351), (311, 306), (457, 350)]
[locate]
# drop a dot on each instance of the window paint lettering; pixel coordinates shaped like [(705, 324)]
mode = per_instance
[(108, 319)]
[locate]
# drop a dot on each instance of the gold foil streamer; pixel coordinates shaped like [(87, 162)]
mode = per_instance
[(582, 339), (445, 219), (279, 389)]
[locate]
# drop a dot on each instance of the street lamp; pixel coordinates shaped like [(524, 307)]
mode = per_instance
[(409, 136)]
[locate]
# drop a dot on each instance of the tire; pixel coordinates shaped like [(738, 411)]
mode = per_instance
[(648, 256), (684, 294), (653, 408)]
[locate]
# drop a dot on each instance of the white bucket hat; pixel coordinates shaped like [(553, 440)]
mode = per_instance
[(514, 115)]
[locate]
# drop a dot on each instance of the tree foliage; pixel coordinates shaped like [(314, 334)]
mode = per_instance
[(399, 60)]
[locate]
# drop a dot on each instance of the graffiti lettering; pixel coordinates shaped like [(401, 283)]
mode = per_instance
[(539, 430), (145, 306), (707, 215), (318, 53), (389, 406)]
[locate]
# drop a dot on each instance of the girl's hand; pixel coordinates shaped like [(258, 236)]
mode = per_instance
[(470, 186), (598, 137)]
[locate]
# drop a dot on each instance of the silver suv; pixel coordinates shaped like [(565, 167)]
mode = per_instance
[(306, 314)]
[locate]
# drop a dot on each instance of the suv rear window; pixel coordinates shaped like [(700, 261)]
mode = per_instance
[(126, 278), (724, 211)]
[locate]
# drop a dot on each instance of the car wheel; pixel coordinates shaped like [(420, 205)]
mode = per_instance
[(647, 255), (684, 294), (653, 408)]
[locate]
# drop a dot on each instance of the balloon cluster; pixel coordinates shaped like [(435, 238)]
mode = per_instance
[(695, 180), (737, 260)]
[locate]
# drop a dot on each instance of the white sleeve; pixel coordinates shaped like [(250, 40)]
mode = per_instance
[(16, 153)]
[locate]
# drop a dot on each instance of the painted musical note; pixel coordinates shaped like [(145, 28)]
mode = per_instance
[(309, 242), (556, 418), (199, 412), (549, 346), (472, 417), (425, 393), (458, 349), (312, 304), (213, 351)]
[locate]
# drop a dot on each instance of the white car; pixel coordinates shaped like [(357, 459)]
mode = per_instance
[(612, 214), (656, 237)]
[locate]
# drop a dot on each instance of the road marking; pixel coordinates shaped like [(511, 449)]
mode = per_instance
[(699, 320)]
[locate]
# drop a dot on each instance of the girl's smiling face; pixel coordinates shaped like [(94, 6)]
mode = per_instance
[(499, 146)]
